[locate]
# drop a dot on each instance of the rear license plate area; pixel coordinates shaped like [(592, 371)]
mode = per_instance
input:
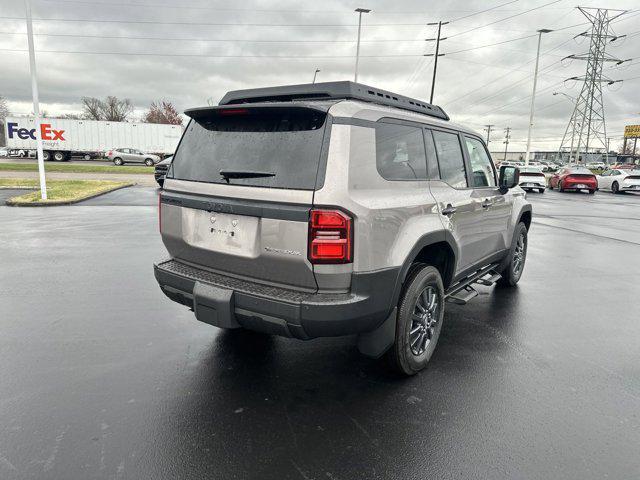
[(221, 232)]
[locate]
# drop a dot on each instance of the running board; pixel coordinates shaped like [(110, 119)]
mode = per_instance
[(462, 291)]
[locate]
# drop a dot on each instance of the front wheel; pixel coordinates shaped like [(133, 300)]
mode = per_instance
[(541, 190), (418, 321), (148, 162), (615, 188), (592, 192), (516, 257)]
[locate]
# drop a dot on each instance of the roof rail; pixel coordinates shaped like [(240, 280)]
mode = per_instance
[(332, 91)]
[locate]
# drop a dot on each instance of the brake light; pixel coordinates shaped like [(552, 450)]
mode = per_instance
[(330, 237), (109, 153), (234, 111)]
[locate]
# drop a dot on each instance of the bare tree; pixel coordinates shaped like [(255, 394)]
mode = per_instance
[(111, 109), (91, 108), (162, 112), (116, 110), (71, 116)]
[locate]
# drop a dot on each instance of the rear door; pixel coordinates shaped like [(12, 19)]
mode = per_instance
[(459, 204), (251, 222)]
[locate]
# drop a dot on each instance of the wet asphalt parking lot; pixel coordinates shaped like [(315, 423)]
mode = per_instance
[(102, 377)]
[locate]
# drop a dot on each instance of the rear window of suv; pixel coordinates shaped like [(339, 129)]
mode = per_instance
[(284, 142)]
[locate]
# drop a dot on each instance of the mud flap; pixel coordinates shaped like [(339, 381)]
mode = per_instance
[(214, 305), (375, 343)]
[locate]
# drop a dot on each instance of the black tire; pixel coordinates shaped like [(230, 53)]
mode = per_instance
[(87, 156), (59, 156), (46, 156), (411, 352), (560, 189), (118, 161), (512, 269), (615, 188), (592, 192), (148, 162), (541, 190)]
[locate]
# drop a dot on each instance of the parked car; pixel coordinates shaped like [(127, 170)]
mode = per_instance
[(161, 169), (335, 209), (4, 152), (574, 178), (532, 178), (619, 180), (120, 156)]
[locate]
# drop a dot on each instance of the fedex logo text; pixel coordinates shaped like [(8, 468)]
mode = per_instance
[(46, 132)]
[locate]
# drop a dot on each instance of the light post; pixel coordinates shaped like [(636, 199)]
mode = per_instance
[(360, 12), (36, 102), (533, 94), (315, 74)]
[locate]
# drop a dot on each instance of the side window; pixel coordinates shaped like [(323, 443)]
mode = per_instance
[(450, 159), (400, 152), (482, 173)]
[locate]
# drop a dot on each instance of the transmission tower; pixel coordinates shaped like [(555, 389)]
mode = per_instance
[(587, 128)]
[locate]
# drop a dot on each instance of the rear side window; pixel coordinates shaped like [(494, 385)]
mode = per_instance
[(450, 159), (400, 152), (285, 143), (481, 165)]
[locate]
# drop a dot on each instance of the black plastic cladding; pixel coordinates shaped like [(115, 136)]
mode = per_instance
[(332, 91)]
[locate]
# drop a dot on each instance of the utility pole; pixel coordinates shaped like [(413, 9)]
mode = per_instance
[(533, 94), (587, 123), (36, 102), (360, 12), (315, 74), (507, 136), (488, 130), (435, 56)]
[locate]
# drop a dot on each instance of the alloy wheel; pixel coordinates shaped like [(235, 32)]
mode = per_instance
[(519, 255), (424, 320)]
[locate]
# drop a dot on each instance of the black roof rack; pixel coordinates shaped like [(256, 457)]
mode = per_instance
[(332, 91)]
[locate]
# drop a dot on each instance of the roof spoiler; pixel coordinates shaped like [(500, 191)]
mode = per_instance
[(332, 91)]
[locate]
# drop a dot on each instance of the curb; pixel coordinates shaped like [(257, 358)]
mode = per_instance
[(66, 202)]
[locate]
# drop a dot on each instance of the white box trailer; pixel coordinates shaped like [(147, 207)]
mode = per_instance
[(62, 138)]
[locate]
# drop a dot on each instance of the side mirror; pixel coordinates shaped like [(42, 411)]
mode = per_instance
[(509, 178)]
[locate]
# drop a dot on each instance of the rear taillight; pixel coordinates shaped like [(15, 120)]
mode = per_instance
[(159, 213), (330, 237), (109, 153)]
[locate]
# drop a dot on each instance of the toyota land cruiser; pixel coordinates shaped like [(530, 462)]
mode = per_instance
[(336, 209)]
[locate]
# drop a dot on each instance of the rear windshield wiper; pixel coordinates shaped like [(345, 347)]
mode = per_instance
[(227, 174)]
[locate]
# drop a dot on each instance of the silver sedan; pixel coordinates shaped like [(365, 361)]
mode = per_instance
[(120, 156)]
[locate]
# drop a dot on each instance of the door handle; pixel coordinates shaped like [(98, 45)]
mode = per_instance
[(487, 203), (449, 210)]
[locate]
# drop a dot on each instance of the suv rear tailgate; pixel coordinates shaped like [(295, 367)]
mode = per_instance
[(239, 191)]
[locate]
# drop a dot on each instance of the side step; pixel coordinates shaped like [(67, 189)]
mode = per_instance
[(462, 291)]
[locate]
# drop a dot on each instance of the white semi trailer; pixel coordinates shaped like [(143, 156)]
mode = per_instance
[(62, 138)]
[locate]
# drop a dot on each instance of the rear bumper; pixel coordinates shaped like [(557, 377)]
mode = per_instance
[(229, 302)]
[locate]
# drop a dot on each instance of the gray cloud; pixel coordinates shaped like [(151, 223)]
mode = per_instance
[(489, 85)]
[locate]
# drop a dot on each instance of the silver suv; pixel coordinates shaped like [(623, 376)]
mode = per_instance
[(336, 209)]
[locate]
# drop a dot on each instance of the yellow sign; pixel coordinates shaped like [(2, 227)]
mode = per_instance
[(631, 131)]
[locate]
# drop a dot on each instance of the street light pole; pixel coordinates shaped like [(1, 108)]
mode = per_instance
[(533, 94), (360, 12), (36, 102), (315, 74)]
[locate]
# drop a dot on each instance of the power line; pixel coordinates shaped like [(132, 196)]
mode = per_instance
[(206, 55), (195, 39), (490, 44), (504, 19), (483, 11), (214, 24)]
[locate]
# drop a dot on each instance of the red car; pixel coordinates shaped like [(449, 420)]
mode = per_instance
[(574, 178)]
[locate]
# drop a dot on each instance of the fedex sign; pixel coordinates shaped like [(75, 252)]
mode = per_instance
[(46, 132)]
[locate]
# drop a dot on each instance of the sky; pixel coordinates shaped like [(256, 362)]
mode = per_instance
[(193, 51)]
